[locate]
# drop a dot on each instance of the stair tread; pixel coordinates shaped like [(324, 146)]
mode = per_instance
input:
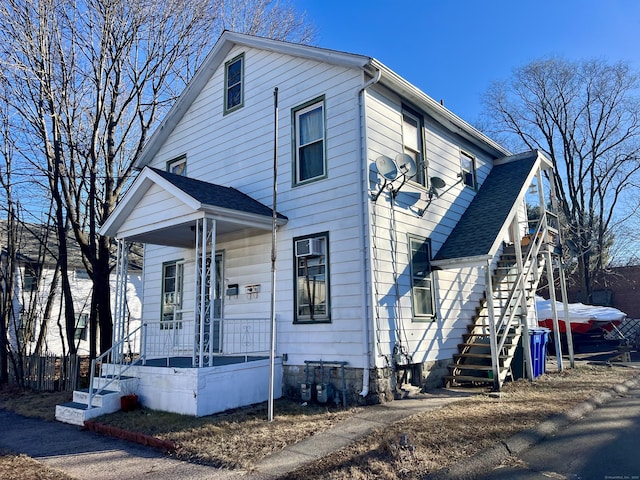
[(468, 378), (76, 405), (97, 391), (470, 366)]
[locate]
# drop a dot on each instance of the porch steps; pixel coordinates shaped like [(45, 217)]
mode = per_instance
[(104, 401)]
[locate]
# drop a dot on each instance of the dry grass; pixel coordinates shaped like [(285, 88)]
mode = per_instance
[(411, 449), (21, 467), (31, 403), (234, 439), (427, 442)]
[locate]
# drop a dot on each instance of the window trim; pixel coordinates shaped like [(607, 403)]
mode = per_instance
[(421, 317), (464, 172), (295, 112), (182, 159), (420, 178), (179, 263), (227, 108), (327, 274)]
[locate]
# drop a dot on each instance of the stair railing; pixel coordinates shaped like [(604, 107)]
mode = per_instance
[(120, 361), (508, 310)]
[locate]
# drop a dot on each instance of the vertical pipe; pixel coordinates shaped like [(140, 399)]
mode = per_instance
[(211, 237), (565, 305), (554, 311), (272, 353)]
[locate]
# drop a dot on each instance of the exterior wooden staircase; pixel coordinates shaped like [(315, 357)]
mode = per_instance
[(487, 351)]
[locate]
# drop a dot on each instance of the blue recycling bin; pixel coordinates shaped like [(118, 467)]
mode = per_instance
[(538, 338)]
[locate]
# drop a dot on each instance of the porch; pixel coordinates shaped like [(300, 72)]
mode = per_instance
[(189, 355)]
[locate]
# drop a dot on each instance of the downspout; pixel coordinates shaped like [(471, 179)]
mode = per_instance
[(364, 233)]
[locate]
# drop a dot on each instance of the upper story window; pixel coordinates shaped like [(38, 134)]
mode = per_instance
[(421, 282), (311, 254), (178, 165), (468, 169), (412, 142), (234, 84), (309, 142)]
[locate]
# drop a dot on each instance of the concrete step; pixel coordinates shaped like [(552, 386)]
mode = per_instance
[(101, 398), (75, 413)]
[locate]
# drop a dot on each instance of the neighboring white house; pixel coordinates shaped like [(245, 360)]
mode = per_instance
[(392, 218), (32, 289)]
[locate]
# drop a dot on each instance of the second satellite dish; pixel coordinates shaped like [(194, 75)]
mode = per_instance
[(406, 165), (387, 168), (437, 182)]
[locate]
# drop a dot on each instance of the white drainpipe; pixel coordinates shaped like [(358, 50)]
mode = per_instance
[(364, 244)]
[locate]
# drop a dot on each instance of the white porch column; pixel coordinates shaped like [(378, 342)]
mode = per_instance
[(119, 313), (204, 288)]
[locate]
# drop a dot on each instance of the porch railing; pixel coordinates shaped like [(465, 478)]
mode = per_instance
[(122, 356), (163, 340)]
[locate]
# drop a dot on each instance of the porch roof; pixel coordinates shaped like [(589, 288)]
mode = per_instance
[(479, 228), (162, 208)]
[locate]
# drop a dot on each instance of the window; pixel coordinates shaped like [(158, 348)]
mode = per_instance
[(412, 142), (309, 142), (30, 278), (233, 84), (171, 294), (82, 329), (421, 285), (468, 169), (178, 166), (311, 256)]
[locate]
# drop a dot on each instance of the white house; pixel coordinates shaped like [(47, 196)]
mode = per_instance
[(31, 327), (392, 219)]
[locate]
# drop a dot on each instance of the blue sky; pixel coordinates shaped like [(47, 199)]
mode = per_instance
[(453, 49)]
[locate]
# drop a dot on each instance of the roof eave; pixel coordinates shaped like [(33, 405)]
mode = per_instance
[(446, 117)]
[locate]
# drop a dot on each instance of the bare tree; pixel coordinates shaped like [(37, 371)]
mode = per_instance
[(88, 81), (585, 117)]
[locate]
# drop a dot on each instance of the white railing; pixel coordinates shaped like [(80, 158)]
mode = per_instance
[(244, 336), (122, 355)]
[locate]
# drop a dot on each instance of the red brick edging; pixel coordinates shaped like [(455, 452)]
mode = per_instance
[(136, 437)]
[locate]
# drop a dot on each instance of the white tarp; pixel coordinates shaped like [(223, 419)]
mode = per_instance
[(578, 312)]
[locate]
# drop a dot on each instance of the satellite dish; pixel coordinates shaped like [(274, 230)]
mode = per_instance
[(437, 182), (387, 168), (406, 165)]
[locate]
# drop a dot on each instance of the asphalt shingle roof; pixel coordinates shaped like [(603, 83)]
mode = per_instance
[(481, 223), (217, 195)]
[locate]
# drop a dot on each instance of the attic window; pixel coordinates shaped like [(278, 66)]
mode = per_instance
[(468, 169), (233, 81)]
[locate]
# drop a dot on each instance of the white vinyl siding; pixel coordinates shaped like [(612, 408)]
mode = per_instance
[(237, 151)]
